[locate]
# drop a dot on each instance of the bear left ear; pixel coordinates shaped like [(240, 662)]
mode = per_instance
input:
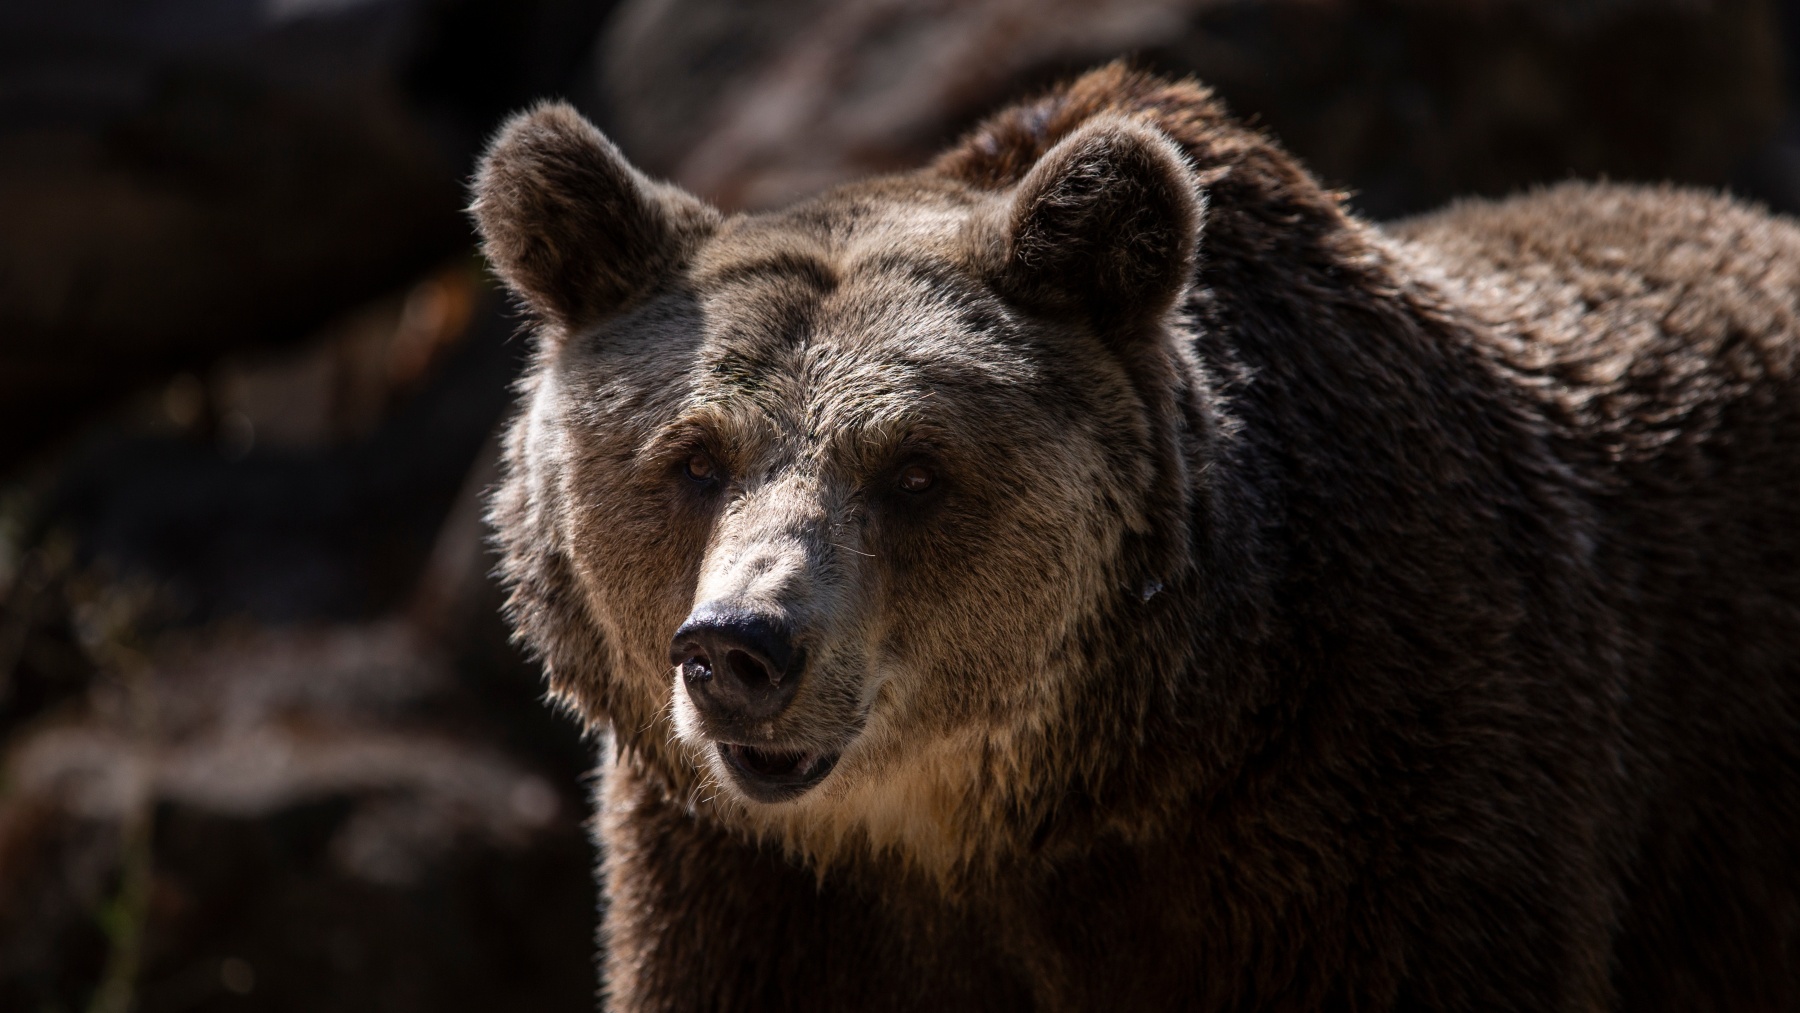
[(571, 226), (1106, 223)]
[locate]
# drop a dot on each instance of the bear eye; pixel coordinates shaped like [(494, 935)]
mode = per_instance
[(700, 467), (916, 478)]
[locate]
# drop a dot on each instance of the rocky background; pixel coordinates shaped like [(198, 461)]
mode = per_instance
[(263, 742)]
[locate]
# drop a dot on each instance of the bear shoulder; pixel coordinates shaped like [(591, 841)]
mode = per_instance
[(1634, 305)]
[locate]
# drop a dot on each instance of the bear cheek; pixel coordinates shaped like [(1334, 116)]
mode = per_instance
[(940, 592), (639, 550), (1016, 599)]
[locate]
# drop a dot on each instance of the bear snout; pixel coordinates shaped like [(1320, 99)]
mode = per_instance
[(740, 667)]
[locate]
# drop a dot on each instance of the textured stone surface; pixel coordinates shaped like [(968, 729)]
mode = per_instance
[(182, 177), (323, 819), (1408, 103)]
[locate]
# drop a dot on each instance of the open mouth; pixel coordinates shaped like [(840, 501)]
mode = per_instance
[(775, 775)]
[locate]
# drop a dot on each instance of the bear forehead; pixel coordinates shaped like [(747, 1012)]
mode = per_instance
[(850, 223), (841, 325), (887, 238), (891, 346), (856, 295)]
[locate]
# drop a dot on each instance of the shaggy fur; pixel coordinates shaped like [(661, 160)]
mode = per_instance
[(1330, 618)]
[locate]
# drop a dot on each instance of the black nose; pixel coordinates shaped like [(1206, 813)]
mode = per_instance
[(739, 666)]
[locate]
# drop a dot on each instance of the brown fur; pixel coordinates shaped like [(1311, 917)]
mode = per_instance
[(1330, 619)]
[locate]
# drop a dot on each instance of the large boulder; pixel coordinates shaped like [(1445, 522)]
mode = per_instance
[(1407, 103), (316, 818), (180, 177)]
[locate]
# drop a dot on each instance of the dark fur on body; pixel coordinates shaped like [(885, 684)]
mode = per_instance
[(1328, 619)]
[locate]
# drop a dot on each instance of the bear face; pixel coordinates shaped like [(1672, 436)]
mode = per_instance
[(839, 487)]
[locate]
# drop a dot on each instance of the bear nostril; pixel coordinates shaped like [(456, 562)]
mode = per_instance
[(752, 673), (697, 669)]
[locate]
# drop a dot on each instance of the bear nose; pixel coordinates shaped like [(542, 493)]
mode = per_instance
[(738, 666)]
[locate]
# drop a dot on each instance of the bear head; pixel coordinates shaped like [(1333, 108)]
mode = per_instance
[(826, 512)]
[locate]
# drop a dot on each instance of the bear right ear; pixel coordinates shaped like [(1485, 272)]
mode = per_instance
[(570, 226)]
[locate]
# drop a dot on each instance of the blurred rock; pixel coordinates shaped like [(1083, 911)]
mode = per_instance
[(754, 104), (182, 177), (42, 664), (329, 806), (1407, 103), (263, 740), (341, 385), (1411, 104), (301, 484)]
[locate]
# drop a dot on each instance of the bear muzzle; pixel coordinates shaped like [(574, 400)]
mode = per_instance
[(741, 670)]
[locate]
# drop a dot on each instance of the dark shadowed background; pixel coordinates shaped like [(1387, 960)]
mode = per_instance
[(263, 742)]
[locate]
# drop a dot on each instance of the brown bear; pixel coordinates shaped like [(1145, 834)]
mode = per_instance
[(1096, 571)]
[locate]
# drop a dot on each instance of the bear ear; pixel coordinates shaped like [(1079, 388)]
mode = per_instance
[(1106, 223), (570, 226)]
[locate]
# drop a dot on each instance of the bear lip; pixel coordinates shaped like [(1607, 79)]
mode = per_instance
[(775, 775)]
